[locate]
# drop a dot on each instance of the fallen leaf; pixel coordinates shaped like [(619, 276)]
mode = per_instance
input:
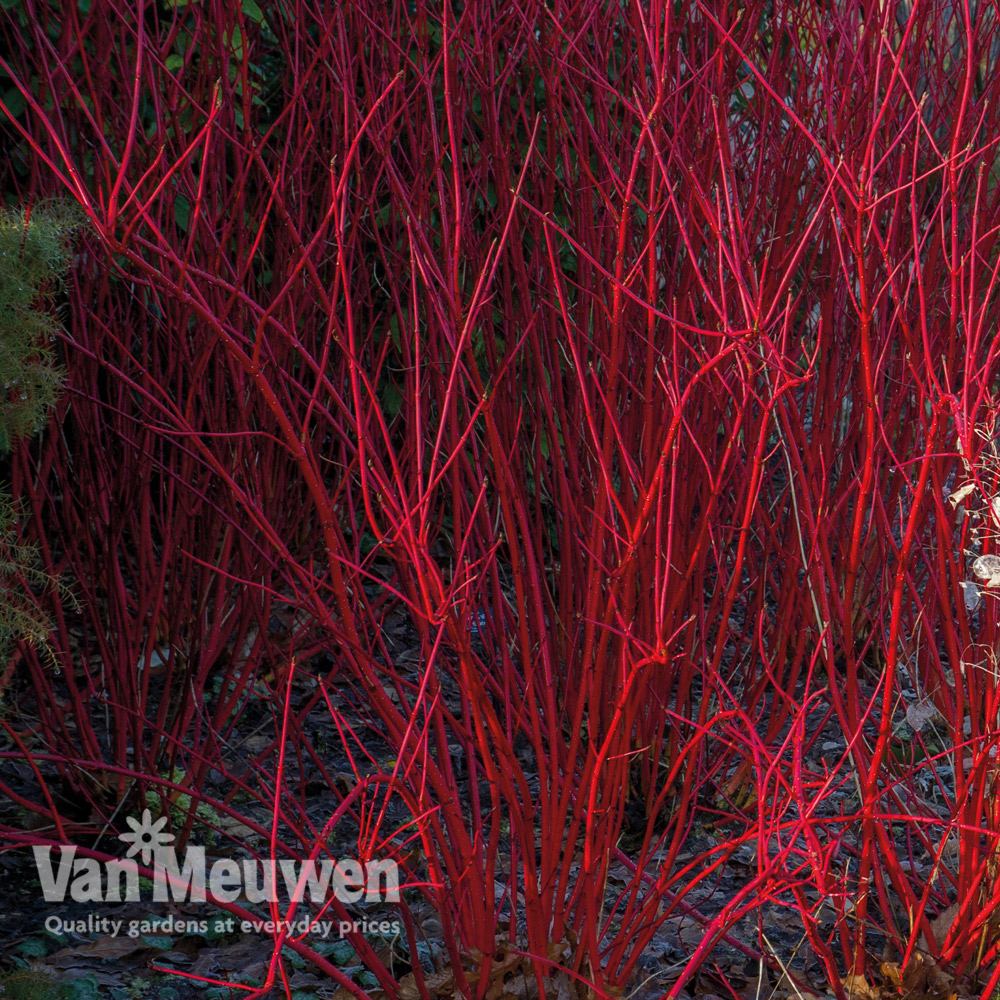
[(437, 983), (858, 989), (920, 713), (105, 948), (893, 972), (940, 926), (924, 979)]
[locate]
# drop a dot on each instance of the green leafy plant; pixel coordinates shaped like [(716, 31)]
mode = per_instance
[(179, 805)]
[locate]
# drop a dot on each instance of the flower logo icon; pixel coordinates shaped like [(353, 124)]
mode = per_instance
[(146, 837)]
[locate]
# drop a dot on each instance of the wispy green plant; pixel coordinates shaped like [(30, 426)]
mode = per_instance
[(20, 617), (35, 252), (30, 984)]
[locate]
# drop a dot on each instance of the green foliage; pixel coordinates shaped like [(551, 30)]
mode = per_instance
[(34, 255), (35, 252), (19, 619), (179, 805), (27, 984)]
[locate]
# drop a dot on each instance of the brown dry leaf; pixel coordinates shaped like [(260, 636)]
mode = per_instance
[(933, 980), (438, 983), (511, 976), (924, 980), (760, 985), (788, 987), (104, 948), (915, 975), (919, 713), (858, 989), (943, 922), (565, 988), (504, 961), (559, 951), (893, 972), (519, 988), (239, 956), (232, 827)]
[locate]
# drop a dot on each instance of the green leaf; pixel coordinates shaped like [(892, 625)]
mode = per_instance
[(86, 988), (33, 948), (216, 929), (392, 400), (174, 62), (252, 11), (14, 101), (340, 952), (158, 941), (236, 44), (293, 957), (182, 213)]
